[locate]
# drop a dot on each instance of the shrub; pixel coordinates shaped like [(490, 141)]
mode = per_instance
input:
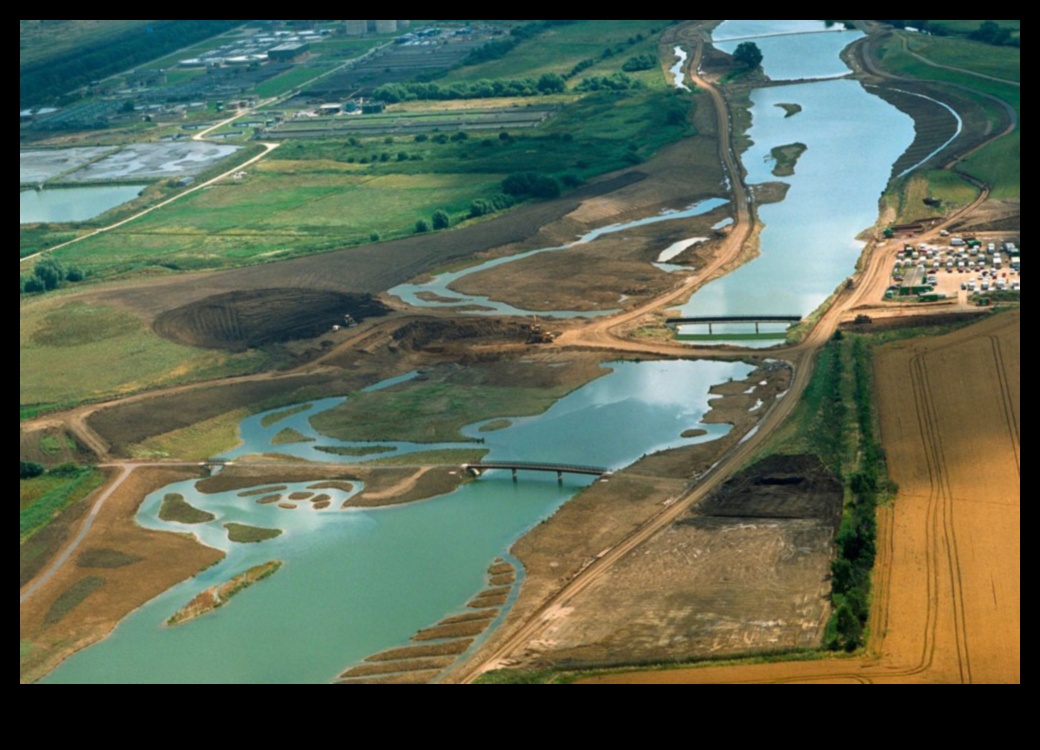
[(422, 226), (645, 61), (30, 469), (441, 220)]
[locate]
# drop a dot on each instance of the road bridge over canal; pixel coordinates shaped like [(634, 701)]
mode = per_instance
[(515, 466), (709, 320)]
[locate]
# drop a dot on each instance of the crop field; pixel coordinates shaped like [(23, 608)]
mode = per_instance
[(947, 582), (73, 350)]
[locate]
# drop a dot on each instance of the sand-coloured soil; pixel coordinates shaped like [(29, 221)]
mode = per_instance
[(745, 570), (162, 560)]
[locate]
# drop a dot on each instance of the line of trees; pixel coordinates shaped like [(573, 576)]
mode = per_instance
[(857, 537), (547, 83), (617, 82)]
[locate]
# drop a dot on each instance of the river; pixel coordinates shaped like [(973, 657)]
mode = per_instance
[(357, 581)]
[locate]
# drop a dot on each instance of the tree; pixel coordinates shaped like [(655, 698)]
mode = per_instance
[(551, 83), (50, 271), (30, 469), (748, 54), (441, 220)]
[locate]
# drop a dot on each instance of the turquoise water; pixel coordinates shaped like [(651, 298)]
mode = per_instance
[(72, 204), (358, 581), (441, 285)]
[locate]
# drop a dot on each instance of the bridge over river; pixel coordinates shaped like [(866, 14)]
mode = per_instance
[(515, 466), (709, 320)]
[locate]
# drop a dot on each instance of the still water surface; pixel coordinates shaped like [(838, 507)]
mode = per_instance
[(358, 581), (72, 204)]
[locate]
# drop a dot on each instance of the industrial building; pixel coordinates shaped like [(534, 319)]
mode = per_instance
[(358, 28)]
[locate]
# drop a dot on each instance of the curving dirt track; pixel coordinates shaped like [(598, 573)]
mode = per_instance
[(947, 579)]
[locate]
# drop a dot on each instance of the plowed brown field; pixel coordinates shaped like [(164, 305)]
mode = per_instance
[(947, 582)]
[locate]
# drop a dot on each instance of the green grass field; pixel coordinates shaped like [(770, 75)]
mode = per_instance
[(280, 209), (1000, 62), (560, 48), (999, 163), (283, 82), (73, 351), (966, 27)]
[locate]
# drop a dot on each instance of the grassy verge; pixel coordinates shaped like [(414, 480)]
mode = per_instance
[(196, 442), (43, 498), (835, 421)]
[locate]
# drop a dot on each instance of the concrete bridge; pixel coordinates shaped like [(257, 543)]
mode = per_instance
[(711, 319), (515, 466)]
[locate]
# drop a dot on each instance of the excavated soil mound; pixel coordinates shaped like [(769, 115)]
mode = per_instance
[(426, 333), (778, 487), (244, 319)]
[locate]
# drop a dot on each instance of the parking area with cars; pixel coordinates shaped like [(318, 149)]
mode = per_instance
[(956, 268)]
